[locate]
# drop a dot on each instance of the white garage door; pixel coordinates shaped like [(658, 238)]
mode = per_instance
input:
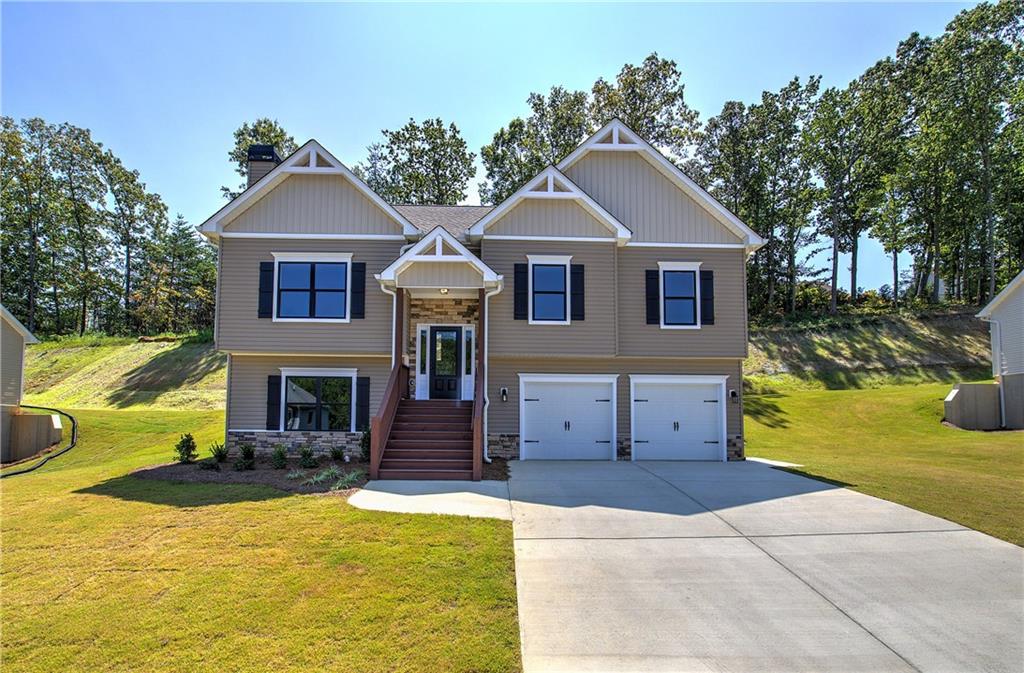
[(570, 418), (678, 418)]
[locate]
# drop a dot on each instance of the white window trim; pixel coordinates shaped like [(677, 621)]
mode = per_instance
[(287, 372), (691, 379), (611, 379), (678, 266), (563, 260), (422, 391), (345, 257)]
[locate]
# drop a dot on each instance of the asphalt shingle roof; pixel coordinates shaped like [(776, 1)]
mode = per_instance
[(455, 219)]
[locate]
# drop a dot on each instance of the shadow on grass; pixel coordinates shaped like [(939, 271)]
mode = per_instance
[(180, 494), (765, 411), (173, 369), (810, 475)]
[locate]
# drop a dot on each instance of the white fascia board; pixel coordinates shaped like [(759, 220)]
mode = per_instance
[(430, 241), (637, 144), (311, 149), (1010, 288), (548, 175)]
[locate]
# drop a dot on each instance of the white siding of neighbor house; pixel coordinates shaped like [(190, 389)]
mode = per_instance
[(1010, 349)]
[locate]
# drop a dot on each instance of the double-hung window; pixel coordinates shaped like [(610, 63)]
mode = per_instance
[(313, 402), (312, 287), (549, 289), (680, 292)]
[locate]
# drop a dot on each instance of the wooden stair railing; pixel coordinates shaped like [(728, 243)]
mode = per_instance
[(478, 427), (380, 425)]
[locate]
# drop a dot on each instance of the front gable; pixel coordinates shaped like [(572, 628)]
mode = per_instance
[(555, 218)]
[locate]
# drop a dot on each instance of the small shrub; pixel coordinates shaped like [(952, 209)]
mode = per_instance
[(295, 474), (337, 453), (219, 452), (209, 465), (246, 457), (307, 458), (327, 474), (279, 458), (185, 449), (348, 480), (364, 446)]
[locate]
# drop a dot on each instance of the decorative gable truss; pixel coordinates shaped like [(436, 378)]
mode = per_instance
[(438, 247), (551, 183), (310, 159), (617, 137)]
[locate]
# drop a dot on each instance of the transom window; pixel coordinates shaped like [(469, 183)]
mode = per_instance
[(318, 403), (679, 292), (549, 289)]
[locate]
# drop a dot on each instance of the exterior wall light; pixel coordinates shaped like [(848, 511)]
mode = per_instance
[(444, 290)]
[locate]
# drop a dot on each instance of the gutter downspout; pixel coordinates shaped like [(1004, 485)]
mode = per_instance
[(394, 318), (487, 362)]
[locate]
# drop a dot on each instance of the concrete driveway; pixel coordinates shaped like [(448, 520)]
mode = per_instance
[(741, 567)]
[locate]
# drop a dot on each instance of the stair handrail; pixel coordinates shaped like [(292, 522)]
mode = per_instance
[(478, 427), (380, 424)]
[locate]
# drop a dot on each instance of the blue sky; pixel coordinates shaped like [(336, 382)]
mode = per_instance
[(164, 85)]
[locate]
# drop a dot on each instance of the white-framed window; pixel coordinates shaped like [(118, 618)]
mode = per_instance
[(679, 294), (318, 400), (549, 291), (312, 287)]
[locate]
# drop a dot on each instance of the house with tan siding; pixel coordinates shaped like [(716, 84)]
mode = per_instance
[(599, 313), (13, 338)]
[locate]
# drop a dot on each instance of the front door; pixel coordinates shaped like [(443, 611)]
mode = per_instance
[(445, 359)]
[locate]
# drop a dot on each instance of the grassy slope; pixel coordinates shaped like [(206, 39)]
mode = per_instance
[(889, 442), (102, 571), (124, 373)]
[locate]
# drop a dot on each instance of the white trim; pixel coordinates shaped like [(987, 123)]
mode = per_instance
[(611, 379), (625, 139), (689, 379), (552, 260), (562, 239), (1017, 281), (315, 237), (552, 176), (710, 246), (678, 266), (312, 257), (420, 252), (214, 225), (466, 390), (18, 327), (293, 354), (334, 372)]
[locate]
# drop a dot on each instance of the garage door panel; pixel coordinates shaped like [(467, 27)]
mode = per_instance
[(565, 420), (677, 421)]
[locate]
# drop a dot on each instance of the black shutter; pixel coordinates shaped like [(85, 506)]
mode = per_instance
[(707, 297), (363, 403), (273, 403), (266, 306), (576, 291), (521, 290), (653, 298), (358, 290)]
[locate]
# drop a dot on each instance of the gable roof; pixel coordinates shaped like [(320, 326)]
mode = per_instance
[(1011, 287), (551, 183), (430, 248), (616, 136), (310, 159), (455, 219), (18, 327)]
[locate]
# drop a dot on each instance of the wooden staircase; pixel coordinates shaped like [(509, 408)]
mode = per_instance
[(429, 439)]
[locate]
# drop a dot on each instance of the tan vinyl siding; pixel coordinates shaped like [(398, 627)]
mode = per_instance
[(726, 338), (247, 383), (314, 204), (595, 335), (545, 217), (503, 417), (239, 328), (440, 274), (12, 353), (644, 200)]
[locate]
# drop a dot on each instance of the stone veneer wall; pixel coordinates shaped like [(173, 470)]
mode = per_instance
[(507, 446), (322, 442), (447, 311)]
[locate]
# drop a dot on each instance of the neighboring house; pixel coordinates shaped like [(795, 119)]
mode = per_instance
[(13, 339), (1005, 315), (599, 312)]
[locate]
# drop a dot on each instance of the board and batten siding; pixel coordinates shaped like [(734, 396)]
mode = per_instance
[(595, 335), (12, 353), (726, 338), (503, 417), (240, 330), (440, 274), (314, 204), (536, 217), (644, 200), (247, 383)]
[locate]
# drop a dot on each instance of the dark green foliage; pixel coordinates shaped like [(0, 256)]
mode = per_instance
[(185, 449), (263, 131), (246, 459), (337, 453), (219, 452), (307, 458), (279, 457), (209, 465), (364, 446)]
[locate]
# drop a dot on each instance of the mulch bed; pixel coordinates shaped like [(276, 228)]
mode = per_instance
[(263, 474), (497, 469)]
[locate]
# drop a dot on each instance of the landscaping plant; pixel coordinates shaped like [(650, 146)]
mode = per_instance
[(348, 480), (364, 446), (246, 457), (307, 458), (219, 452), (326, 474), (338, 453), (279, 458), (185, 449)]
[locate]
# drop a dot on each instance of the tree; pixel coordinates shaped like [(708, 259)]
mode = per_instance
[(263, 131), (420, 163)]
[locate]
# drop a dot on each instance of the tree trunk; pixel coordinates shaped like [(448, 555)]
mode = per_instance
[(792, 279), (833, 303), (935, 264), (128, 286), (33, 264), (989, 222), (854, 242), (57, 327), (895, 278)]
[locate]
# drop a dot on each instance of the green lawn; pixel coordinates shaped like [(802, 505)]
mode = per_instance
[(889, 442), (102, 571)]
